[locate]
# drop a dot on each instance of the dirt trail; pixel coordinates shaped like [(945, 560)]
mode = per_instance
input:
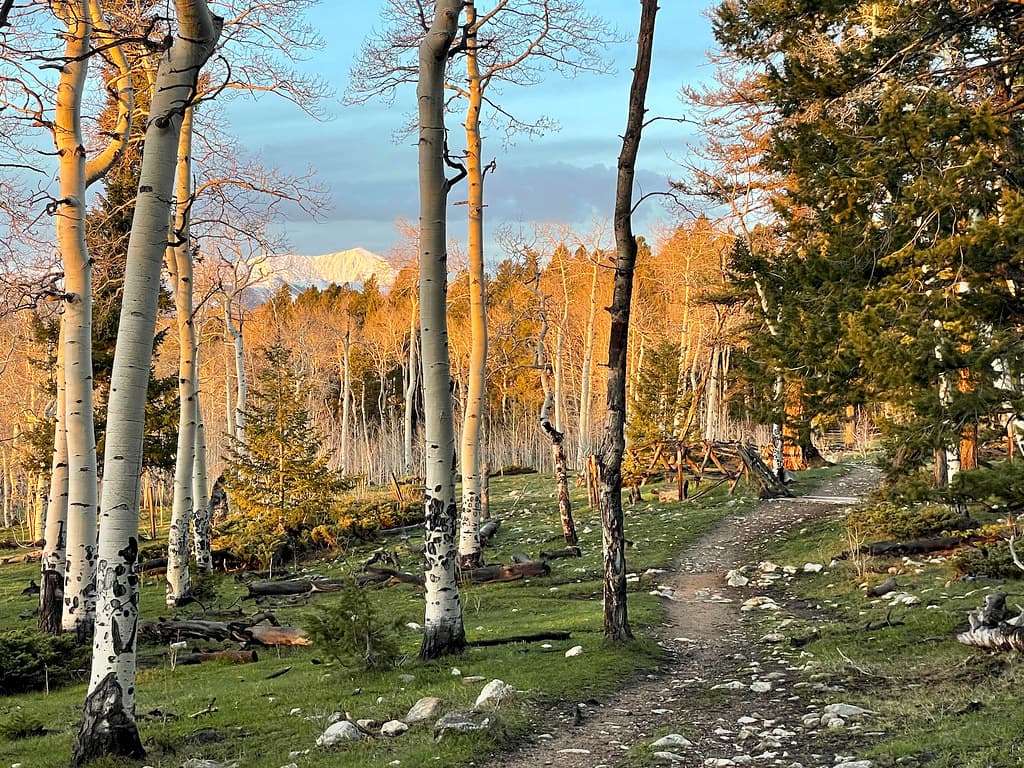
[(705, 643)]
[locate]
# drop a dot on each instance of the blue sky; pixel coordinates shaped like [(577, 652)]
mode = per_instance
[(567, 176)]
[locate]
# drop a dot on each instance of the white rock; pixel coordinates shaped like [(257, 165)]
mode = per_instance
[(719, 762), (767, 566), (854, 764), (736, 579), (668, 757), (407, 678), (833, 723), (367, 723), (760, 686), (473, 679), (812, 720), (340, 732), (732, 685), (294, 710), (672, 740), (789, 570), (393, 728), (763, 602), (414, 626), (427, 708), (456, 672), (813, 567), (493, 694), (846, 711), (574, 751), (291, 765), (773, 637), (747, 720), (576, 650), (198, 762)]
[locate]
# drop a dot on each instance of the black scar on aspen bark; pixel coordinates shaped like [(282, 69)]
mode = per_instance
[(107, 728)]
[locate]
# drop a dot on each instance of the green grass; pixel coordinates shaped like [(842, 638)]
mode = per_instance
[(259, 721), (941, 703)]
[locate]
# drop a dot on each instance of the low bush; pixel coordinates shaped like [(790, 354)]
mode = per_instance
[(992, 561), (31, 661), (888, 520)]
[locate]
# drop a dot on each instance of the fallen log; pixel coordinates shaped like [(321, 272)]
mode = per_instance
[(29, 557), (887, 586), (993, 627), (918, 546), (535, 637), (489, 529), (489, 574), (390, 575), (521, 557), (238, 657), (559, 553), (292, 587), (165, 631)]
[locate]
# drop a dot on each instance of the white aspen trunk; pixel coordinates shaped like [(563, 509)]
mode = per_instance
[(202, 521), (586, 425), (346, 403), (242, 383), (108, 723), (443, 631), (470, 553), (559, 370), (80, 566), (712, 390), (8, 491), (411, 385), (778, 446), (179, 264), (51, 579)]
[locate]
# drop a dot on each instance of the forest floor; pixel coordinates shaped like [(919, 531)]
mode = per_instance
[(702, 689)]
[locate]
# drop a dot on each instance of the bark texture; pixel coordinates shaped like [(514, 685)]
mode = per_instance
[(470, 553), (443, 631), (51, 580), (179, 265), (108, 725), (616, 620), (79, 587)]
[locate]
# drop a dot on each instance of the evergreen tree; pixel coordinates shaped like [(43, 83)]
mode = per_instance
[(278, 480), (898, 137), (657, 401)]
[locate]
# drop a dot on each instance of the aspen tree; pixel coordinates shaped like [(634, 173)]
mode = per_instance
[(443, 631), (108, 722)]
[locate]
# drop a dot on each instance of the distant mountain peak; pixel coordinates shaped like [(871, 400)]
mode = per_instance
[(353, 266)]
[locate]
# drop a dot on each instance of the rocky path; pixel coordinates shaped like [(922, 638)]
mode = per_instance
[(734, 702)]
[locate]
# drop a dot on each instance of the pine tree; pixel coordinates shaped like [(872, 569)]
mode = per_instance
[(278, 480)]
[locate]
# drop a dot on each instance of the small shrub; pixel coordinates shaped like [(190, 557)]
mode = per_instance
[(21, 726), (991, 561), (888, 520), (30, 660), (352, 631)]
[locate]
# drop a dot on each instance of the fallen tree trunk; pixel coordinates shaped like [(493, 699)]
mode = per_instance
[(292, 587), (238, 657), (993, 627), (558, 553), (536, 637), (29, 557), (166, 631), (918, 546), (488, 529), (496, 573)]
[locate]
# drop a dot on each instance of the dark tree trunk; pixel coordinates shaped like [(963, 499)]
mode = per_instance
[(51, 598), (616, 620), (109, 727)]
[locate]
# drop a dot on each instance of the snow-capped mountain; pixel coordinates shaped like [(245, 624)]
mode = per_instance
[(354, 266)]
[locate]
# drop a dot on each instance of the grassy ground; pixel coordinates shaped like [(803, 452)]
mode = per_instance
[(940, 704), (261, 714)]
